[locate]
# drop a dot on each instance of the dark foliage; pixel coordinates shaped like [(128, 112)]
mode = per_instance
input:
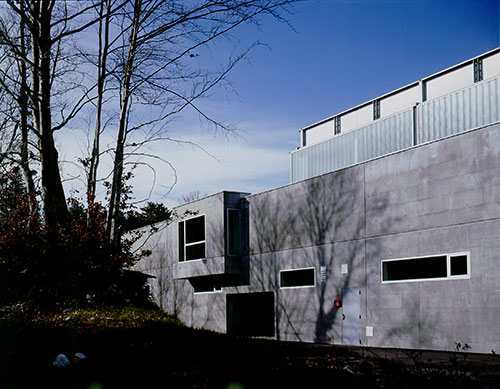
[(149, 214), (73, 265)]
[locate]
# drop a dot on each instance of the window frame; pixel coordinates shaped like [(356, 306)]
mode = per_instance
[(298, 269), (185, 244), (448, 268)]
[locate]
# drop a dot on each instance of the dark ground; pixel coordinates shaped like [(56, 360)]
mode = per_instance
[(179, 357)]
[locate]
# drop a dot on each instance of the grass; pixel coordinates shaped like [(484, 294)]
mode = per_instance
[(88, 318), (129, 347)]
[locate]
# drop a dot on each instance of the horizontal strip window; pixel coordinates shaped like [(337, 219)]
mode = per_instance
[(436, 267), (296, 278), (207, 284), (214, 283)]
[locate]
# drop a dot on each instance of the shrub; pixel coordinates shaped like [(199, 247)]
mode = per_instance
[(74, 264)]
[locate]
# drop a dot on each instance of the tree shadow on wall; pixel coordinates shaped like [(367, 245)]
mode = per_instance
[(316, 223)]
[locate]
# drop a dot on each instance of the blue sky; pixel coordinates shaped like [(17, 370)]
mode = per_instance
[(342, 53)]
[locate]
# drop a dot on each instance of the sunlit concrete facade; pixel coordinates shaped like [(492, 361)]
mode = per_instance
[(400, 250)]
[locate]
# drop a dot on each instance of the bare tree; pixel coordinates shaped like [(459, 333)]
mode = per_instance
[(104, 15), (14, 99), (157, 68), (192, 196), (148, 69), (45, 27)]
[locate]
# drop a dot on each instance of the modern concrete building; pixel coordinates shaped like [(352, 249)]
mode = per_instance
[(388, 235)]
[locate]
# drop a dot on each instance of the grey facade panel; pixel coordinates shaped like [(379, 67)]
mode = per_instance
[(435, 199)]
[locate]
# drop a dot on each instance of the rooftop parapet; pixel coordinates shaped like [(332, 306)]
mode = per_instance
[(456, 99)]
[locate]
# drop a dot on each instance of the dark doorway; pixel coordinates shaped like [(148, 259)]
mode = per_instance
[(250, 314)]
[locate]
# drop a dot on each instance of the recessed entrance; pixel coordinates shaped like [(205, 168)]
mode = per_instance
[(250, 314)]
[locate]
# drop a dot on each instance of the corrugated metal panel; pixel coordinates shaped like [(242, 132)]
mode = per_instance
[(382, 137), (467, 108)]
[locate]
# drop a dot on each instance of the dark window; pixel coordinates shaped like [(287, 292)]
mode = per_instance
[(206, 284), (415, 269), (458, 265), (181, 241), (195, 229), (337, 129), (233, 232), (376, 109), (304, 138), (195, 251), (192, 239), (478, 70), (302, 277), (426, 268), (214, 283)]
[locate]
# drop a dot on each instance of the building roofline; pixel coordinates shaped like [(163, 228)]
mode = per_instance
[(408, 86), (243, 194), (379, 157)]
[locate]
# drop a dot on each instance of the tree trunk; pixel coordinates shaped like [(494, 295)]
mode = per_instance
[(23, 117), (101, 77), (113, 222), (54, 201)]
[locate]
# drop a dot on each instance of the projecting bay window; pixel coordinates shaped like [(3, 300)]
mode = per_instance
[(192, 239), (437, 267)]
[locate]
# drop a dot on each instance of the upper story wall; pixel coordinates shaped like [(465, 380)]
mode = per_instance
[(442, 183), (460, 76), (322, 210)]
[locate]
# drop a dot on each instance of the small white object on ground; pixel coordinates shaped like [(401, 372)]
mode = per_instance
[(79, 357), (61, 361)]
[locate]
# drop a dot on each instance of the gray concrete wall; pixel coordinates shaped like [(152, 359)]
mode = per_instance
[(170, 285), (441, 198), (438, 198)]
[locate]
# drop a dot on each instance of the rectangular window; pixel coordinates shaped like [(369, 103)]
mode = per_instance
[(233, 232), (376, 109), (478, 70), (297, 278), (181, 241), (207, 284), (192, 239), (459, 265), (436, 267), (337, 129)]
